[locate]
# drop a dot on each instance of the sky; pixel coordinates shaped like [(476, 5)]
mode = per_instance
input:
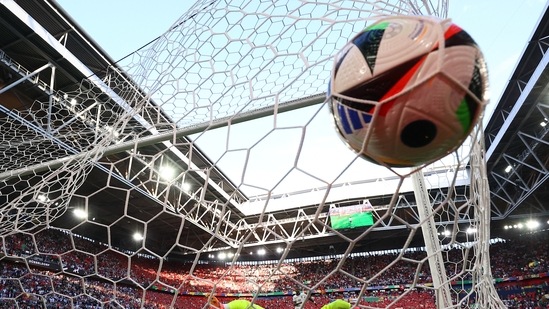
[(501, 28)]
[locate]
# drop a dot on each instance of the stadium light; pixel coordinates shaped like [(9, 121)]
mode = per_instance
[(508, 168), (221, 255), (471, 230), (279, 250), (80, 213), (261, 251), (137, 236), (166, 172), (532, 224), (445, 233), (42, 198), (186, 187)]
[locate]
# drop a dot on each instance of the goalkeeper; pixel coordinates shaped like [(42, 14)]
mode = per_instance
[(235, 304), (338, 304)]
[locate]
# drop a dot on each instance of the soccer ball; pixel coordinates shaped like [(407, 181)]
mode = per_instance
[(407, 90)]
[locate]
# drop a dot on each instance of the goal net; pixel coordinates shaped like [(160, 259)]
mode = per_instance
[(206, 164)]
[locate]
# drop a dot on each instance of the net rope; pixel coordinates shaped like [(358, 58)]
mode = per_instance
[(213, 96)]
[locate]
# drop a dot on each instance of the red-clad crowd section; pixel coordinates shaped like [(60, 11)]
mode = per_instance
[(51, 269)]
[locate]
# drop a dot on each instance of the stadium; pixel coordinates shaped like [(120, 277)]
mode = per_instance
[(206, 164)]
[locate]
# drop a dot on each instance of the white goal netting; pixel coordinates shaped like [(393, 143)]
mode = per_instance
[(207, 163)]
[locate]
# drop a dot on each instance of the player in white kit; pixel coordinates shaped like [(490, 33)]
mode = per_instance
[(299, 299)]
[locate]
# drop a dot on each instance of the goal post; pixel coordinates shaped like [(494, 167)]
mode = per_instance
[(441, 285)]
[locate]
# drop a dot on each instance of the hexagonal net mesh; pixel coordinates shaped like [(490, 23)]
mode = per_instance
[(213, 146)]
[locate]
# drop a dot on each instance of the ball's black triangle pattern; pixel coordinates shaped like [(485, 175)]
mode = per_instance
[(476, 86), (368, 43), (374, 89), (459, 38)]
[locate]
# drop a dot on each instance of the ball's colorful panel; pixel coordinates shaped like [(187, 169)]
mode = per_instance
[(469, 109), (385, 84), (455, 36), (368, 43), (343, 120), (401, 83), (465, 114), (379, 25), (352, 120), (478, 81)]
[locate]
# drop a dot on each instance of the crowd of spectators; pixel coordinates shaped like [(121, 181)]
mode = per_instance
[(54, 269)]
